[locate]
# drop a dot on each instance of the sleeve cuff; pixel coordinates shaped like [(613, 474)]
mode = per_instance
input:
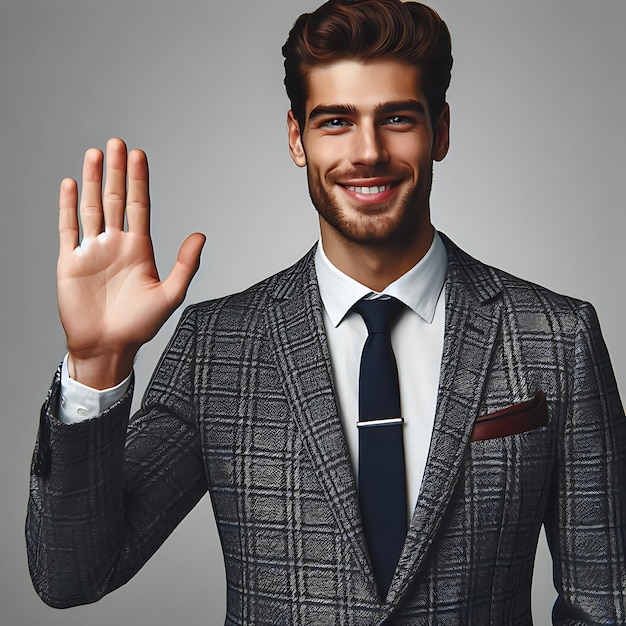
[(79, 402)]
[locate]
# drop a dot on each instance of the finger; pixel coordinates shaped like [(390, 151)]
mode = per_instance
[(68, 217), (187, 264), (91, 194), (138, 200), (114, 198)]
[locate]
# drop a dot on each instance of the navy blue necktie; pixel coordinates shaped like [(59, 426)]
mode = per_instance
[(382, 481)]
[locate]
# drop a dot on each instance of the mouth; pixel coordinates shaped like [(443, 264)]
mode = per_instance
[(369, 190), (371, 193)]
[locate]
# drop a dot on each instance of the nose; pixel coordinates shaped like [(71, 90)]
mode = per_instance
[(368, 147)]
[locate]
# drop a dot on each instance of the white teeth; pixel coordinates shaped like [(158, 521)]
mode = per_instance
[(369, 190)]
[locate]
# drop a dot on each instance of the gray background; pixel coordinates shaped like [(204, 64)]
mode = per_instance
[(534, 183)]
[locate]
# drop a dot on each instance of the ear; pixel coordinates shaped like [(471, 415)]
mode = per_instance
[(296, 149), (441, 141)]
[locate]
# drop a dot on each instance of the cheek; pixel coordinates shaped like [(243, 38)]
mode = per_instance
[(327, 150), (409, 148)]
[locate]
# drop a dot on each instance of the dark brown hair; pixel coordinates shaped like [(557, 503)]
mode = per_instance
[(364, 30)]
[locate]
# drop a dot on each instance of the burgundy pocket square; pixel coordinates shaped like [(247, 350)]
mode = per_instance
[(513, 420)]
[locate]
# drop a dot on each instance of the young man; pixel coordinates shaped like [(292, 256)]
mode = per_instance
[(509, 413)]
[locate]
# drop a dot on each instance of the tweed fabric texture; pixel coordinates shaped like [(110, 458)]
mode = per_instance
[(242, 404)]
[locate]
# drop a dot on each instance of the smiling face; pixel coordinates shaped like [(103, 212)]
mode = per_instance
[(368, 147)]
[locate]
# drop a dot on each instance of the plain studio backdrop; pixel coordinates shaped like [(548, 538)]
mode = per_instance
[(534, 183)]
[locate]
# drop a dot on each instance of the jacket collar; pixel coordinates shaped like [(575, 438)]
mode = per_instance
[(297, 331)]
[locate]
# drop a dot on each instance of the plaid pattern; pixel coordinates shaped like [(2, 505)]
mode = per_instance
[(242, 403)]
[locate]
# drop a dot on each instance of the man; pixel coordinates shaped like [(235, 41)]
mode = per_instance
[(511, 416)]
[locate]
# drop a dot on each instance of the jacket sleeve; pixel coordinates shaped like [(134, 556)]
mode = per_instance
[(586, 521), (106, 492)]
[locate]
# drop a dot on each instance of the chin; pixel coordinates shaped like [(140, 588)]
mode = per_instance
[(397, 222), (377, 226)]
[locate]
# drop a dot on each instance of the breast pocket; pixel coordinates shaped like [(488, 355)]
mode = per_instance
[(512, 420)]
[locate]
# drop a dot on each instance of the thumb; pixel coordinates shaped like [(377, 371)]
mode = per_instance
[(187, 263)]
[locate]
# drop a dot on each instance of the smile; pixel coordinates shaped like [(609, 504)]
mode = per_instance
[(371, 194), (369, 190)]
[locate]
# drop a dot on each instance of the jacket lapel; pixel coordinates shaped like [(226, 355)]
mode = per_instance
[(471, 328), (296, 329)]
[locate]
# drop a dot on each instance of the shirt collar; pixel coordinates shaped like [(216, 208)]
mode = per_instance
[(419, 288)]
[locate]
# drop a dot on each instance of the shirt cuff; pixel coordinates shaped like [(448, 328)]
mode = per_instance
[(79, 402)]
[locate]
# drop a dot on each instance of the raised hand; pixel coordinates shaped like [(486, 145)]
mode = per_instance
[(111, 299)]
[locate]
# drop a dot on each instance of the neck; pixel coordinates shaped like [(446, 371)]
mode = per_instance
[(376, 266)]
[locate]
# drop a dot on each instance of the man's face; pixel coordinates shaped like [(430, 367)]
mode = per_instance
[(368, 147)]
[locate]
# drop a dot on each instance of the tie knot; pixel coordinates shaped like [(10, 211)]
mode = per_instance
[(379, 314)]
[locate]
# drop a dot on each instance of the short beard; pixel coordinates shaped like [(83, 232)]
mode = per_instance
[(376, 228)]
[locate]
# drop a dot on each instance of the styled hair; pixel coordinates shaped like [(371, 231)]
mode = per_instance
[(365, 30)]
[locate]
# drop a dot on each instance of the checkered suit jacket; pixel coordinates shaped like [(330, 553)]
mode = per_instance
[(242, 404)]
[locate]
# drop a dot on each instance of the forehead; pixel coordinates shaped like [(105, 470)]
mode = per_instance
[(363, 84)]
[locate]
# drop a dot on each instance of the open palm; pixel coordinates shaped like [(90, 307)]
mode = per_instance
[(111, 299)]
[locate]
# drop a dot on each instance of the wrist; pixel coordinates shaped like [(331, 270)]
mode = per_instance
[(102, 371)]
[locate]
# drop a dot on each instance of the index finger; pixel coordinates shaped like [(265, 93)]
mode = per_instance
[(138, 196)]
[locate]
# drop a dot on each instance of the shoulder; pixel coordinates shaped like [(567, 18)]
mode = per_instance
[(239, 310), (519, 297)]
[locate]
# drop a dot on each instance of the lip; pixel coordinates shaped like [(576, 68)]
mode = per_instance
[(353, 189)]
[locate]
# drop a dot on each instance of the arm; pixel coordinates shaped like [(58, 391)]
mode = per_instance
[(586, 523), (103, 495), (112, 493)]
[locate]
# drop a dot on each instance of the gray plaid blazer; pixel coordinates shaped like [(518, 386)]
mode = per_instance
[(242, 404)]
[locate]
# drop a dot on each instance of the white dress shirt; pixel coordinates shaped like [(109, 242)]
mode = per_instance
[(417, 340), (79, 402)]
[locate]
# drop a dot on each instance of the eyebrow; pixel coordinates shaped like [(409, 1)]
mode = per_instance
[(393, 106), (331, 109), (403, 105)]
